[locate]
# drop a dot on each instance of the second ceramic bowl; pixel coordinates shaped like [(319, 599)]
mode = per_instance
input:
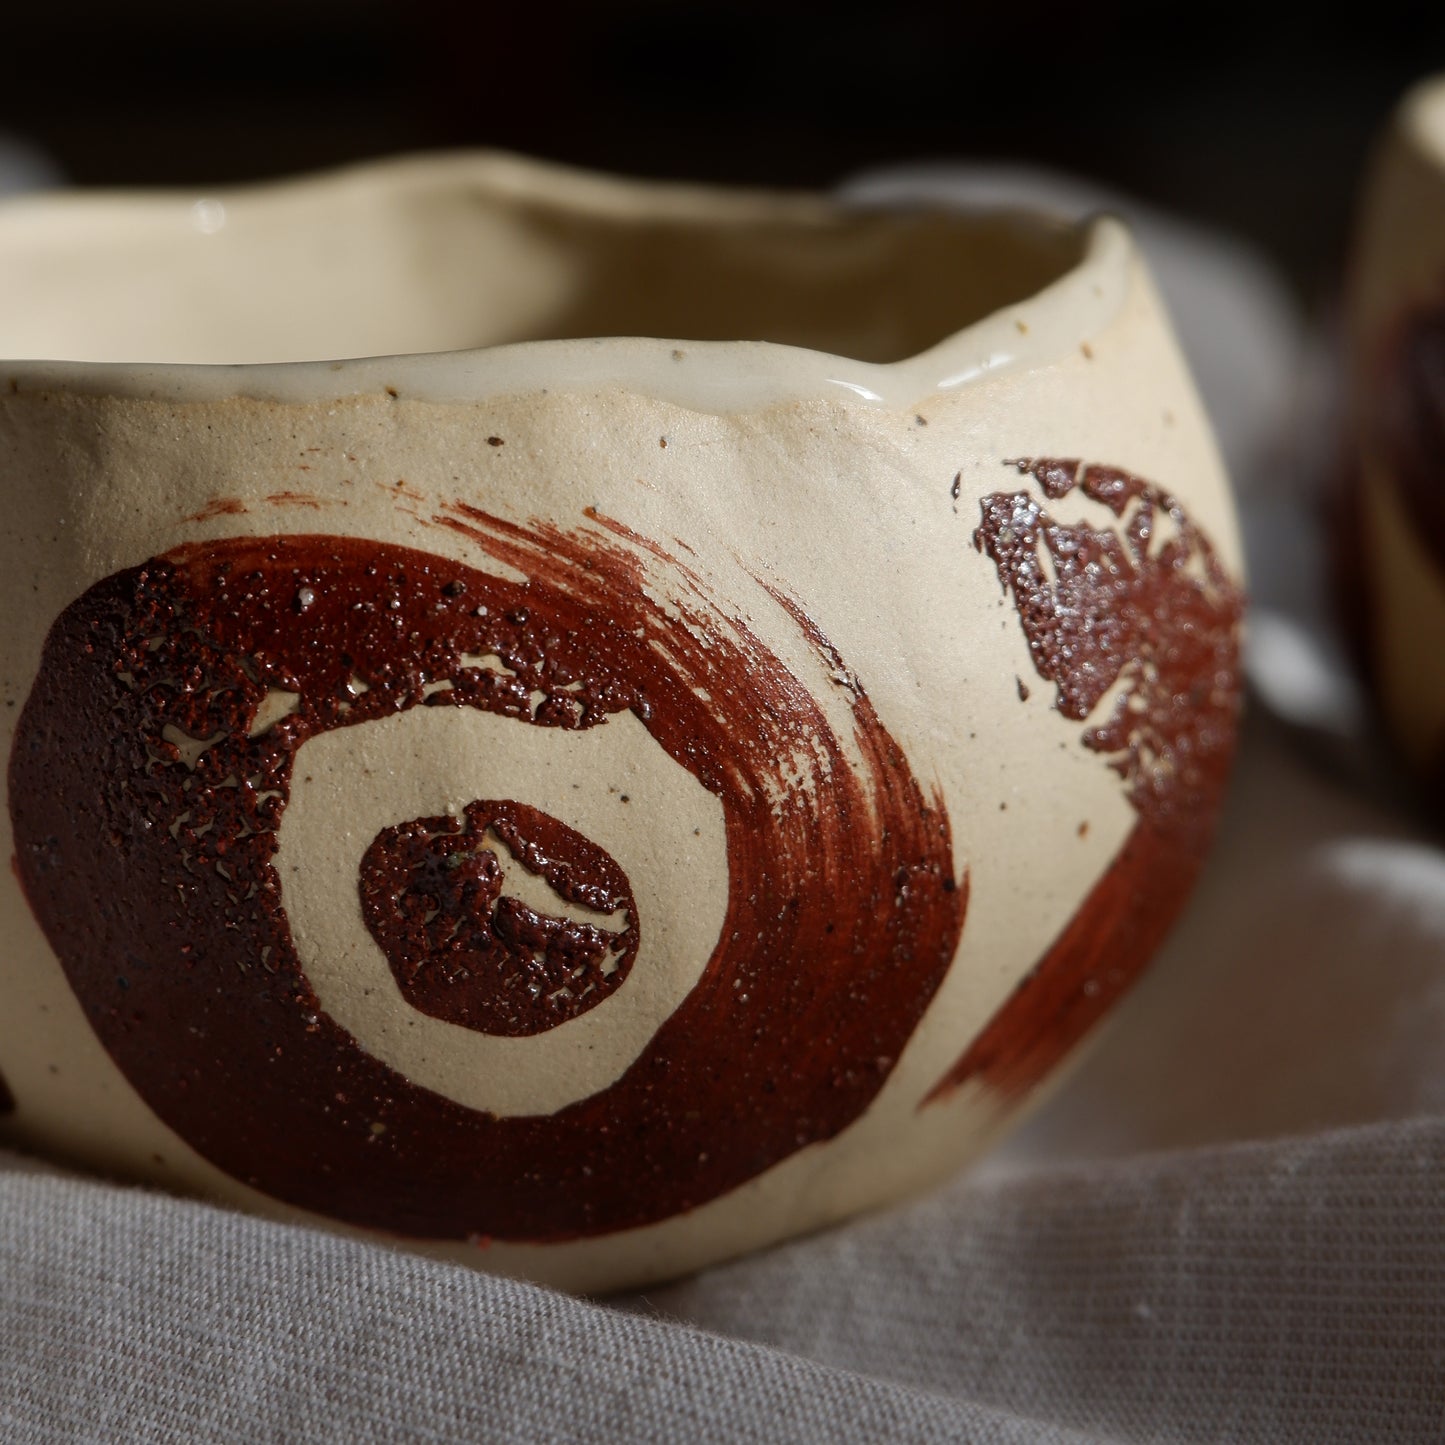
[(1398, 376)]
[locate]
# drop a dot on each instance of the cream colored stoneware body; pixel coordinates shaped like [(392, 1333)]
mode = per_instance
[(754, 482), (1399, 287)]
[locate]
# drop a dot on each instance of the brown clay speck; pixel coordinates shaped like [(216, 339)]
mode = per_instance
[(217, 507)]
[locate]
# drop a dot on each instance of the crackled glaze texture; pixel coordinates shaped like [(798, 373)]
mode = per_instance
[(462, 948), (1145, 612), (586, 808)]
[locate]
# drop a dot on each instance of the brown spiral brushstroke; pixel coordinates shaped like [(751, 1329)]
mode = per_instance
[(1146, 607), (149, 868)]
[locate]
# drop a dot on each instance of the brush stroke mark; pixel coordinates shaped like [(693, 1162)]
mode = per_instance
[(146, 816), (1145, 610)]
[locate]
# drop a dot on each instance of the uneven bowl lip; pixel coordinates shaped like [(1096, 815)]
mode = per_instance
[(1422, 119), (708, 376)]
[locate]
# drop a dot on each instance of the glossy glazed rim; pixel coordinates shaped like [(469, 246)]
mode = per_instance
[(712, 376)]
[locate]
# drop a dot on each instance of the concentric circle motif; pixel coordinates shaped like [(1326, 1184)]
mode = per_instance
[(158, 751)]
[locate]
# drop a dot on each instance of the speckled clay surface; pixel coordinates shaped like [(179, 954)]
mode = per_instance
[(1398, 334), (585, 807)]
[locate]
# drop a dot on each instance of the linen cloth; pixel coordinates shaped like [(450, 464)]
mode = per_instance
[(1225, 1224)]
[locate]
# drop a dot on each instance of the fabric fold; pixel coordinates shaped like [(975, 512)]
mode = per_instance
[(128, 1315)]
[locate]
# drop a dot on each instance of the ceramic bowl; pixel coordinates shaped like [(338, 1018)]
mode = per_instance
[(586, 807), (1398, 379)]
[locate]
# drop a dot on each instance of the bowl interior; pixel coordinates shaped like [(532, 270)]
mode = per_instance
[(465, 252)]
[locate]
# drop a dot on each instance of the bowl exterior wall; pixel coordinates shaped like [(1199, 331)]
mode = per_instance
[(585, 835)]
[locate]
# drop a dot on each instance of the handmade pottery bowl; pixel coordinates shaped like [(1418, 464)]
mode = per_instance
[(585, 807), (1398, 381)]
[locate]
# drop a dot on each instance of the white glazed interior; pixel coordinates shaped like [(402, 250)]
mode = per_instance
[(464, 264)]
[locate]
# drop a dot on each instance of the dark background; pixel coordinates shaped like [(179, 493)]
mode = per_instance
[(1255, 119)]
